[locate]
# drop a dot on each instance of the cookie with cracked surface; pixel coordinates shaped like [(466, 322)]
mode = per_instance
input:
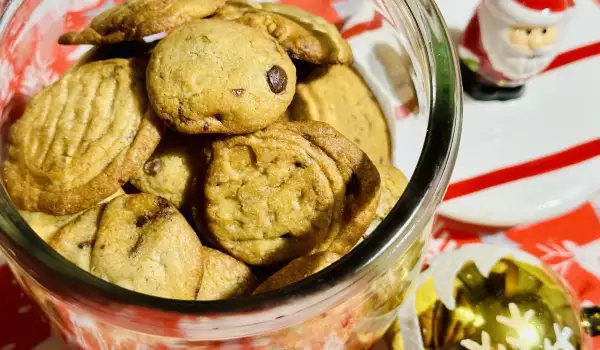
[(215, 76), (141, 242), (303, 35), (298, 270), (46, 225), (224, 277), (171, 169), (81, 138), (340, 97), (292, 189), (135, 19)]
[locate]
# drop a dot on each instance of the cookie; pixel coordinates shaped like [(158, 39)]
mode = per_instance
[(75, 240), (171, 169), (135, 19), (81, 138), (292, 189), (224, 277), (393, 184), (339, 96), (215, 76), (298, 270), (144, 244), (46, 225), (303, 35)]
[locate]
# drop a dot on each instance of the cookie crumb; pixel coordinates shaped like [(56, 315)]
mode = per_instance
[(153, 167), (277, 79)]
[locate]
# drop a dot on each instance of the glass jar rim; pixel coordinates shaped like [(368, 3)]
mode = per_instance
[(424, 191)]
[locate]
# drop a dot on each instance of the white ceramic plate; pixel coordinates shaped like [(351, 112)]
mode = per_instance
[(520, 161)]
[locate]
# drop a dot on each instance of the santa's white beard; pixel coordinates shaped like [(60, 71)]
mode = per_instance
[(505, 58)]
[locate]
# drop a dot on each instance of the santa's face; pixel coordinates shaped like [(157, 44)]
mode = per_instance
[(518, 52)]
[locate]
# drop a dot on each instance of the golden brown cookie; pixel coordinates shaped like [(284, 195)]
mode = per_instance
[(46, 225), (171, 169), (224, 277), (81, 138), (75, 240), (393, 184), (135, 19), (303, 35), (287, 191), (215, 76), (297, 270), (339, 96), (144, 244)]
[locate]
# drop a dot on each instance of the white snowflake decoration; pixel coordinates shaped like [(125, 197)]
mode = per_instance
[(521, 323), (486, 343), (556, 251), (562, 339), (37, 75), (527, 334)]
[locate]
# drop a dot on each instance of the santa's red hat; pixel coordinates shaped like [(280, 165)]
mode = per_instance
[(532, 12)]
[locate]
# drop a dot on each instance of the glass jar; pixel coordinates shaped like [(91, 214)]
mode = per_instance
[(348, 305)]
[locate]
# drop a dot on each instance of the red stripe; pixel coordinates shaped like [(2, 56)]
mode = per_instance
[(360, 28), (574, 55), (536, 167)]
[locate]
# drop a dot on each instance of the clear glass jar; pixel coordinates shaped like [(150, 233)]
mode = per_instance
[(348, 305)]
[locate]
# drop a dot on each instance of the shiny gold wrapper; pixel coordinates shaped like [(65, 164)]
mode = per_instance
[(484, 297)]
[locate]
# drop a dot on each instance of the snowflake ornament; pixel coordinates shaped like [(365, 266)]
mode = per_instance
[(521, 323), (527, 337), (486, 343), (562, 339)]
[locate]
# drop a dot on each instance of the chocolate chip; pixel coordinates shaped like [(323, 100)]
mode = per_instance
[(218, 117), (163, 203), (205, 127), (152, 167), (142, 221), (238, 92), (277, 79), (87, 244)]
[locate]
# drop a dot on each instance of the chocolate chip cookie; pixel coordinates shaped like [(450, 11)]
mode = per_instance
[(216, 76), (303, 35), (171, 169), (46, 225), (298, 270), (81, 138), (224, 277), (338, 96), (292, 189), (393, 184), (135, 19), (139, 242)]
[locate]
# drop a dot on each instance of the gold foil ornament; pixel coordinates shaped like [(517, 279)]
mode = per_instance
[(488, 297)]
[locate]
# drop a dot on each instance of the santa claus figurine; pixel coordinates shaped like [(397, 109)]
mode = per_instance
[(508, 42)]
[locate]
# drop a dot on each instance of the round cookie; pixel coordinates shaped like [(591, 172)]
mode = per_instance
[(171, 169), (290, 190), (135, 19), (215, 76), (393, 184), (144, 244), (46, 225), (224, 277), (338, 96), (81, 138), (298, 270), (304, 36)]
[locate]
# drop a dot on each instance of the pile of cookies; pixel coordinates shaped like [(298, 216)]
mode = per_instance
[(241, 127)]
